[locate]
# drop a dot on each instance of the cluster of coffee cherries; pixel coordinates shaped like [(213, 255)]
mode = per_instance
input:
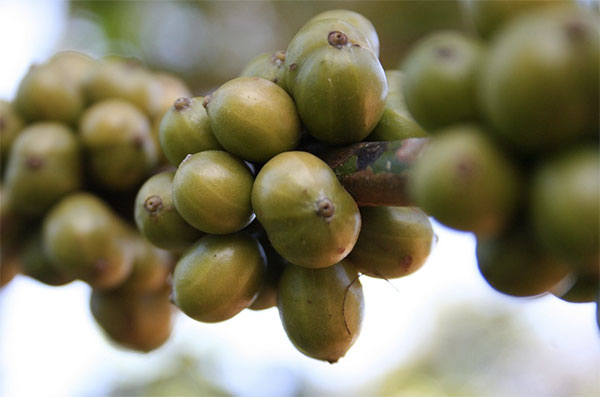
[(514, 156), (259, 219), (78, 140)]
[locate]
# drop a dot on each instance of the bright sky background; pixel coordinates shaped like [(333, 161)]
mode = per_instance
[(50, 346)]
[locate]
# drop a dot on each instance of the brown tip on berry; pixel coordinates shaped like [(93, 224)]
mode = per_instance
[(182, 103), (206, 101), (153, 204), (293, 66), (337, 39), (325, 208), (278, 57)]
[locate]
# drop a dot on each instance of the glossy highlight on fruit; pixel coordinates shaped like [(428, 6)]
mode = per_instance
[(253, 118), (212, 192), (310, 219)]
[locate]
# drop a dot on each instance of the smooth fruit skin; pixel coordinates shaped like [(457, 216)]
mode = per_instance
[(393, 241), (117, 139), (440, 76), (212, 192), (219, 277), (141, 322), (515, 264), (564, 207), (355, 19), (396, 122), (84, 239), (465, 181), (185, 129), (310, 219), (539, 83), (321, 309), (156, 217), (43, 166), (268, 65), (45, 93), (336, 80), (253, 118)]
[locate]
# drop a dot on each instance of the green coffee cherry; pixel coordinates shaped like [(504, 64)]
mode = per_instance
[(516, 265), (219, 277), (539, 83), (85, 240), (44, 165), (464, 181), (125, 79), (321, 309), (118, 142), (564, 207), (211, 191), (440, 76), (185, 129), (156, 216), (253, 118), (46, 93), (336, 80), (393, 241), (141, 322), (310, 219)]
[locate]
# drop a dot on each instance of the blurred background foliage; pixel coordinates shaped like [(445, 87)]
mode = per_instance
[(209, 42)]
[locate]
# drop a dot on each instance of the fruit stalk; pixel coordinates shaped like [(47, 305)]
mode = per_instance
[(376, 173)]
